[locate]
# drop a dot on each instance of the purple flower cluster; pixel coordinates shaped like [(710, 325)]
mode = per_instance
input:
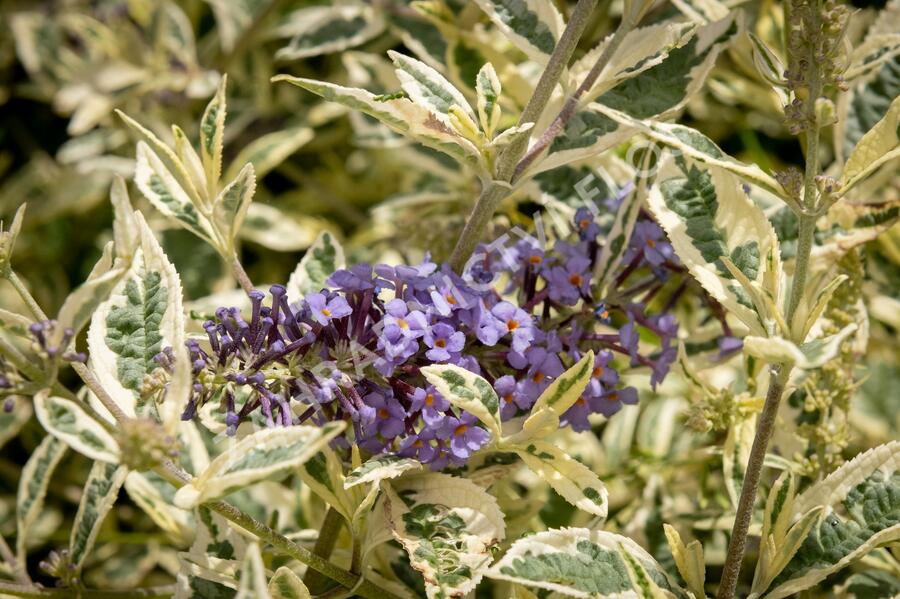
[(518, 317)]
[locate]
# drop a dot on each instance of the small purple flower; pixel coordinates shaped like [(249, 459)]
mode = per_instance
[(410, 324), (612, 402), (649, 238), (323, 311), (577, 415), (419, 446), (431, 405), (661, 365), (603, 377), (444, 342), (386, 416), (629, 338), (507, 389), (465, 435), (569, 282), (516, 321), (728, 346), (587, 226)]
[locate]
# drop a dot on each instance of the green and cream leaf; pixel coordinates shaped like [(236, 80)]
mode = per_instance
[(488, 90), (707, 217), (577, 562), (97, 499), (284, 584), (878, 146), (809, 355), (231, 205), (321, 30), (264, 454), (270, 150), (426, 87), (212, 138), (33, 482), (68, 422), (142, 316), (448, 526), (533, 26), (467, 391), (575, 482)]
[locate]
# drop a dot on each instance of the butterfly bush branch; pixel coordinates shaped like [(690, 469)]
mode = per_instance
[(494, 192), (328, 535), (240, 274), (26, 296), (809, 45)]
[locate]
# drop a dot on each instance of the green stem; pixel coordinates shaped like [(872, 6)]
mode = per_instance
[(328, 535), (37, 592), (23, 292), (94, 385), (493, 193), (780, 372)]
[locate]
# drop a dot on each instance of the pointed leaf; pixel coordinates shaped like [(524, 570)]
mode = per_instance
[(488, 89), (99, 495), (231, 205), (258, 456), (467, 391), (284, 584), (212, 135), (33, 482), (426, 87), (574, 481), (533, 26), (68, 422), (327, 29), (878, 146)]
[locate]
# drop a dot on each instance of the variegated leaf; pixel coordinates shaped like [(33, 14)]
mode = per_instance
[(155, 496), (708, 218), (642, 49), (862, 501), (812, 354), (143, 316), (533, 26), (448, 526), (383, 467), (326, 29), (321, 260), (426, 87), (689, 561), (578, 562), (589, 132), (467, 391), (231, 205), (554, 401), (735, 454), (284, 584), (398, 113), (212, 136), (267, 152), (877, 147), (324, 475), (68, 422), (619, 235), (189, 158), (258, 456), (99, 495), (488, 89), (664, 89), (126, 234), (161, 188), (574, 481), (36, 475)]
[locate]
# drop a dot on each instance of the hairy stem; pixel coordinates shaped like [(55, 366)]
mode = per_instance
[(559, 123), (18, 590), (94, 385), (328, 535), (240, 274), (493, 193), (780, 372), (20, 288)]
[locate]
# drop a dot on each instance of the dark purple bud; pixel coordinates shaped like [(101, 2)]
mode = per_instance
[(75, 357), (9, 404), (4, 382), (189, 411)]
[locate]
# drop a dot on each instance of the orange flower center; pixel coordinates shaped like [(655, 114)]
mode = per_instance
[(512, 325), (538, 376), (418, 443), (429, 399), (460, 430), (451, 300), (598, 372), (613, 397), (326, 311), (651, 243), (580, 402), (383, 414), (534, 259), (441, 343), (583, 223), (575, 280), (402, 323), (508, 398)]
